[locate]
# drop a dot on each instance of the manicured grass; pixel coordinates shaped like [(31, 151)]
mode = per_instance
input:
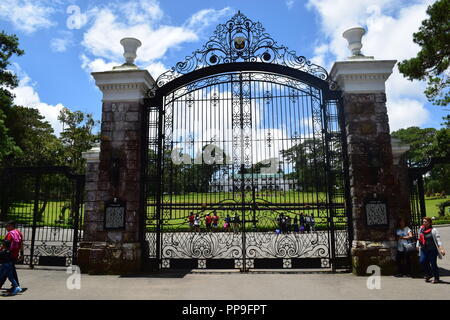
[(22, 213), (271, 196), (432, 210)]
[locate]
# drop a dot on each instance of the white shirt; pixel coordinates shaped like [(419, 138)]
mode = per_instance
[(402, 233)]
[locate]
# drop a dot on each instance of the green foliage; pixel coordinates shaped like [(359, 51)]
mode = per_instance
[(76, 137), (34, 136), (308, 158), (442, 207), (9, 46), (421, 142), (7, 145), (426, 143), (433, 60)]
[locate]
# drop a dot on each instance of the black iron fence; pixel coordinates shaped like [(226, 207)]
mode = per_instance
[(47, 205)]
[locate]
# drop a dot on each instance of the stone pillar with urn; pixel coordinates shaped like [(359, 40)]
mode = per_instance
[(113, 241), (375, 183)]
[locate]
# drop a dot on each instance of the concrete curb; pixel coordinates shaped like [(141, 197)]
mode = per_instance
[(441, 225)]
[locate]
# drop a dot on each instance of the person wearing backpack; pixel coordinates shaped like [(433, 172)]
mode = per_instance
[(6, 268), (16, 243), (430, 248)]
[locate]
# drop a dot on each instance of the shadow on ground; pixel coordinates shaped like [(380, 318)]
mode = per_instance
[(182, 273)]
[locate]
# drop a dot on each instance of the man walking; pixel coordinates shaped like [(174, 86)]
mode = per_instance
[(15, 237)]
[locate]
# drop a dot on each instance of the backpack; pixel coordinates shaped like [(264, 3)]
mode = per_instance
[(5, 256)]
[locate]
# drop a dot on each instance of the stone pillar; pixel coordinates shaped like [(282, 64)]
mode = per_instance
[(374, 181), (116, 176)]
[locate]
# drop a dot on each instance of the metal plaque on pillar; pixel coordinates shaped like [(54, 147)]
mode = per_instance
[(376, 213), (114, 215)]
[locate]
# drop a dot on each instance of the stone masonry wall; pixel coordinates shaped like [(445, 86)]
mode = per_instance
[(371, 172), (115, 252)]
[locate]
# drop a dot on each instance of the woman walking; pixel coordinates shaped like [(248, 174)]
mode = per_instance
[(430, 247)]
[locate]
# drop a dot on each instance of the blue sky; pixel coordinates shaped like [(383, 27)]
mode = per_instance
[(65, 40)]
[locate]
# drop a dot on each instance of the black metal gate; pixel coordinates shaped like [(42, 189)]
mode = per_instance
[(246, 131), (46, 204), (416, 172)]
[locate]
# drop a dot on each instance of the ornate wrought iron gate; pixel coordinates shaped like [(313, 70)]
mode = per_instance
[(246, 131), (46, 204)]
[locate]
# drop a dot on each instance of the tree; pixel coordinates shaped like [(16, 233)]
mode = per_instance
[(9, 46), (308, 159), (424, 144), (77, 137), (419, 140), (34, 136), (433, 60)]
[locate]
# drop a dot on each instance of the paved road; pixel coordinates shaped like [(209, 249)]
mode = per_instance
[(51, 284)]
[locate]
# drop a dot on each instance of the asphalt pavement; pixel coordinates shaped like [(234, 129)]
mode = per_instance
[(57, 284)]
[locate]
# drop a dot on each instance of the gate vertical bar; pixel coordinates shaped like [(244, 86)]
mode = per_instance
[(347, 194), (78, 199), (159, 174), (330, 203), (242, 166), (37, 188), (423, 211)]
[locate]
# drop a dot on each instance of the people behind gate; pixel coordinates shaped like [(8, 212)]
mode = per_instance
[(236, 223), (208, 222), (215, 221), (430, 248), (197, 223), (191, 219), (227, 223)]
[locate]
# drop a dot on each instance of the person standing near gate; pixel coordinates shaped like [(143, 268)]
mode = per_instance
[(191, 219), (403, 234), (197, 223), (236, 223), (227, 223), (312, 221), (15, 237), (208, 221), (430, 248), (215, 221), (302, 222), (308, 223)]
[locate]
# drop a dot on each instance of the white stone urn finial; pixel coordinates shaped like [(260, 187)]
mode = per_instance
[(130, 46), (354, 36)]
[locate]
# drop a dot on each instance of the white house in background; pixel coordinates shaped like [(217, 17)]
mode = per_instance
[(261, 181)]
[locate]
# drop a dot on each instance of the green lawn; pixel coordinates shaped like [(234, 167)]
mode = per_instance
[(433, 211), (177, 218), (54, 214), (269, 205)]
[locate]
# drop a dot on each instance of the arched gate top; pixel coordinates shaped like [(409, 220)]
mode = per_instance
[(242, 40)]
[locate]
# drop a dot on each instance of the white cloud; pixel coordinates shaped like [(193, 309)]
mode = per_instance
[(97, 65), (204, 18), (389, 26), (109, 25), (405, 113), (142, 11), (26, 96), (156, 69), (63, 43), (290, 4), (27, 15)]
